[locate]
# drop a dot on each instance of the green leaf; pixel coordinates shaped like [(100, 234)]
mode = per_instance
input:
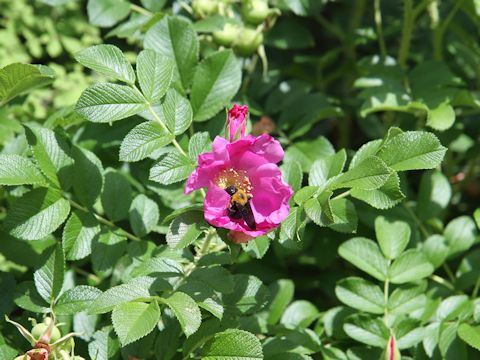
[(385, 197), (410, 266), (344, 216), (107, 249), (441, 118), (143, 140), (292, 174), (174, 38), (26, 297), (366, 330), (185, 229), (281, 295), (258, 247), (105, 344), (160, 266), (116, 195), (434, 194), (37, 214), (361, 295), (186, 311), (365, 254), (76, 300), (408, 333), (78, 234), (144, 215), (306, 152), (137, 288), (199, 143), (326, 168), (216, 81), (172, 168), (470, 334), (436, 250), (106, 13), (176, 112), (134, 320), (460, 234), (300, 313), (52, 155), (87, 176), (319, 209), (392, 236), (155, 72), (412, 150), (49, 276), (107, 60), (105, 103), (249, 295), (370, 174), (453, 307), (405, 300), (17, 170), (233, 344), (17, 79)]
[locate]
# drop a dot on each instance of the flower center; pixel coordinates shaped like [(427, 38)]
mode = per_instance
[(231, 177)]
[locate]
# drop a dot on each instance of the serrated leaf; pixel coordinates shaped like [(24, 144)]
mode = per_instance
[(172, 168), (107, 60), (52, 155), (155, 72), (216, 81), (78, 234), (470, 334), (344, 216), (325, 168), (365, 254), (299, 314), (106, 13), (292, 174), (105, 344), (163, 267), (258, 247), (175, 111), (105, 103), (37, 214), (370, 174), (17, 79), (233, 344), (87, 176), (385, 197), (249, 295), (199, 143), (392, 236), (144, 215), (49, 276), (404, 300), (186, 311), (174, 38), (76, 300), (116, 195), (366, 330), (281, 294), (410, 266), (17, 170), (185, 229), (134, 320), (137, 288), (107, 249), (27, 297), (361, 295), (143, 140), (306, 152), (412, 150)]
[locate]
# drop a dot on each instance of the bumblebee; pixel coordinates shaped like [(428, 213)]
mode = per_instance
[(240, 207)]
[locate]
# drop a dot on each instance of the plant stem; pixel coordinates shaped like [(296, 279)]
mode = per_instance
[(422, 228), (442, 281), (140, 10), (93, 277), (408, 20), (476, 288), (449, 272), (385, 297), (439, 29), (342, 195), (378, 25), (104, 221)]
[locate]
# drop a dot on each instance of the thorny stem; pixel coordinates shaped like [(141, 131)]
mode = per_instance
[(140, 10), (408, 19), (378, 25), (104, 221)]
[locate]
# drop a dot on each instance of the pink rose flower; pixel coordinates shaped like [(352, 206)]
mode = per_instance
[(250, 165)]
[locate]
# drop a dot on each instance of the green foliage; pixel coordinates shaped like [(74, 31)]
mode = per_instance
[(375, 106)]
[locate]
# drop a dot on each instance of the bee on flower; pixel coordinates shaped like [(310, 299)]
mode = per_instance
[(245, 189)]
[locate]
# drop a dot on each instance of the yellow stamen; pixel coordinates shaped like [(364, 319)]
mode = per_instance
[(237, 178)]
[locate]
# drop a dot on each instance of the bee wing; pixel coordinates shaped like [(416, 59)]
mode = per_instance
[(247, 215)]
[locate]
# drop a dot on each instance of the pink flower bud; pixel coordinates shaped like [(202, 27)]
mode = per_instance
[(237, 121), (392, 352)]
